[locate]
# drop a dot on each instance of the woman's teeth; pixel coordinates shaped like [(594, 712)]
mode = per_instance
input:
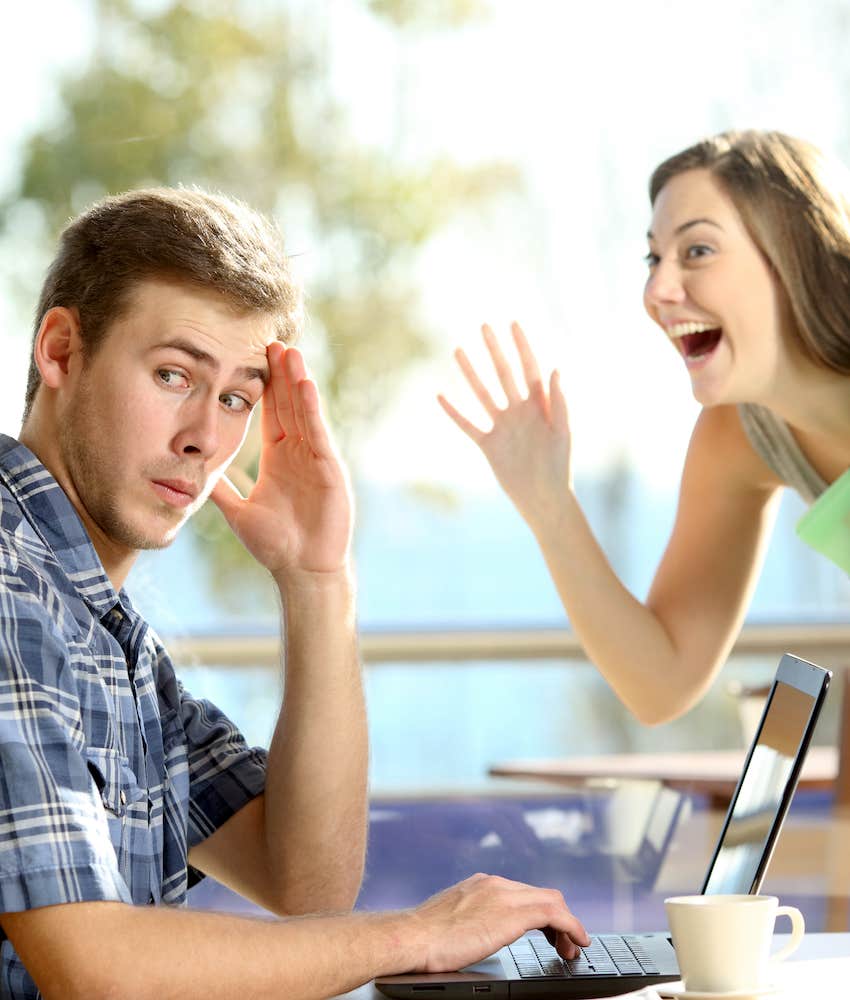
[(695, 341), (683, 329)]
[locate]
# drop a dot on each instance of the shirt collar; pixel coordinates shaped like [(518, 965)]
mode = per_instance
[(46, 506)]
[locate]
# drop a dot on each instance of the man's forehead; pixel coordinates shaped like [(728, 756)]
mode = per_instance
[(201, 322)]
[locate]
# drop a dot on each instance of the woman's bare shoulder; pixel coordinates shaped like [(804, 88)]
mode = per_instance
[(719, 441)]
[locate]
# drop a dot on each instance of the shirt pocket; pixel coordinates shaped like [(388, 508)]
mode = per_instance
[(116, 784)]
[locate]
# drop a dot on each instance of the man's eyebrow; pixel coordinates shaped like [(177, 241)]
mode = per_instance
[(208, 361), (688, 225)]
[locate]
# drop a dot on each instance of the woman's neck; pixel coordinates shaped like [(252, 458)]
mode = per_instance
[(815, 404)]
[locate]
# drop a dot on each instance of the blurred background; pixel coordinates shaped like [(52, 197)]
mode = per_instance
[(433, 165)]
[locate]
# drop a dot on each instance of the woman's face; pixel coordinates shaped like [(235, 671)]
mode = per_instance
[(714, 294)]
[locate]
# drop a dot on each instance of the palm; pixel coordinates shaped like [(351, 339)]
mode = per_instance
[(528, 445), (526, 453), (297, 516)]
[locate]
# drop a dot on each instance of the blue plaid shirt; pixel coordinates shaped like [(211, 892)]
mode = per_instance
[(109, 770)]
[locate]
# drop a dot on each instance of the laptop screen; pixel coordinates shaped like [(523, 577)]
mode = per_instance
[(769, 778)]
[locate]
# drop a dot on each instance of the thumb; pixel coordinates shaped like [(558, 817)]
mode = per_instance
[(227, 498)]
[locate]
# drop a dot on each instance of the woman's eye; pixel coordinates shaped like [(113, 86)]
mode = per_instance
[(651, 259), (172, 378), (697, 250), (236, 404)]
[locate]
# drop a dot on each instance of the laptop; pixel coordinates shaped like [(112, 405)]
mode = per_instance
[(616, 964)]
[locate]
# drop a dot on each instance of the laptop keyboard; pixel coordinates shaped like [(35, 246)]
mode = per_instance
[(608, 955)]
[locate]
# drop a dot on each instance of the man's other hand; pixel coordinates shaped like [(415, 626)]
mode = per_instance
[(476, 917)]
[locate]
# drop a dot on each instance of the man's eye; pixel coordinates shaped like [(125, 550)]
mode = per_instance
[(236, 404), (171, 377)]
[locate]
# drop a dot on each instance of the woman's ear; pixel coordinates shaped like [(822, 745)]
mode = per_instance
[(57, 343)]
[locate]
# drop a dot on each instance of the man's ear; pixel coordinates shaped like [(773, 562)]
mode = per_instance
[(57, 345)]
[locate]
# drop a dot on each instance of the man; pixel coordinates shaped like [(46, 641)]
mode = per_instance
[(163, 322)]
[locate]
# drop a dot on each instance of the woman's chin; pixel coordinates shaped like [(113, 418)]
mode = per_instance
[(710, 378), (711, 392)]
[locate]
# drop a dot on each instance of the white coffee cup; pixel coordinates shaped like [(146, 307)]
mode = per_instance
[(723, 942)]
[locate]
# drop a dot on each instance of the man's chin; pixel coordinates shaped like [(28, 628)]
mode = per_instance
[(167, 537), (145, 538)]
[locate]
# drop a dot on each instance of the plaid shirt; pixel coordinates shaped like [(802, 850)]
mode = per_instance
[(109, 770)]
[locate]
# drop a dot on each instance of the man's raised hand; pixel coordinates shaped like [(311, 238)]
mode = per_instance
[(298, 515)]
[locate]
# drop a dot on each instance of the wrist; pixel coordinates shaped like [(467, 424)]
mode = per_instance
[(550, 523), (405, 945), (294, 582), (312, 600)]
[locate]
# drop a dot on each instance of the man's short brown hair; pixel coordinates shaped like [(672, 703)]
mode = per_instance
[(184, 235)]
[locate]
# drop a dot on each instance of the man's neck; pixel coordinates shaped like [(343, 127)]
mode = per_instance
[(117, 560)]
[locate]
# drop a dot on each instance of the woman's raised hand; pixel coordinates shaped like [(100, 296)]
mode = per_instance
[(528, 446)]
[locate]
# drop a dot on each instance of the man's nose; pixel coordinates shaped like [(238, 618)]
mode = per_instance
[(199, 432)]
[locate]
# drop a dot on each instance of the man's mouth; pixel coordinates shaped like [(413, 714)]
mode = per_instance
[(695, 341), (176, 492)]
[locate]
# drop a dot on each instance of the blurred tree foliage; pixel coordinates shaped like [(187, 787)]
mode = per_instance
[(236, 95), (428, 13)]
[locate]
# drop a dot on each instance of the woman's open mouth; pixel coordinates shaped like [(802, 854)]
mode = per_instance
[(696, 341)]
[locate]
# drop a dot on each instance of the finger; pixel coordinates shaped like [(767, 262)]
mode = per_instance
[(227, 498), (465, 425), (558, 404), (530, 368), (241, 480), (500, 363), (296, 372), (315, 430), (475, 383), (569, 928), (273, 426), (537, 394), (569, 945), (562, 943)]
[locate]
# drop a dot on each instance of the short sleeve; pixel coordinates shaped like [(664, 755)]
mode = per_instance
[(55, 845), (224, 772)]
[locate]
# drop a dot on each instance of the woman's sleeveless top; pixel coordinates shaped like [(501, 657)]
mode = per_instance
[(774, 442)]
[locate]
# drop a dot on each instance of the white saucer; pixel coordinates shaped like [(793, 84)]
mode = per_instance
[(765, 991)]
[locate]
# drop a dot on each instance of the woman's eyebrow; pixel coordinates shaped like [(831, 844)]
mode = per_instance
[(688, 225), (208, 361)]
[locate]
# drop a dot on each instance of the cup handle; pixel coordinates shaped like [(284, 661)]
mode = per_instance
[(798, 928)]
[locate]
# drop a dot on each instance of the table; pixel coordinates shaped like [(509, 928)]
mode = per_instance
[(819, 968), (714, 773)]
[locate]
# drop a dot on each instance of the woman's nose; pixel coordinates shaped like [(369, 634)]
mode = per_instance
[(664, 284)]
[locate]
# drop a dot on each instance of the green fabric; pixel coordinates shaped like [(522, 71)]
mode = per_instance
[(826, 524)]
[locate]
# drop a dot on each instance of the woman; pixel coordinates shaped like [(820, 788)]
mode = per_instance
[(749, 277)]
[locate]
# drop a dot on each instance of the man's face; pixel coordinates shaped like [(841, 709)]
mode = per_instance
[(154, 418)]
